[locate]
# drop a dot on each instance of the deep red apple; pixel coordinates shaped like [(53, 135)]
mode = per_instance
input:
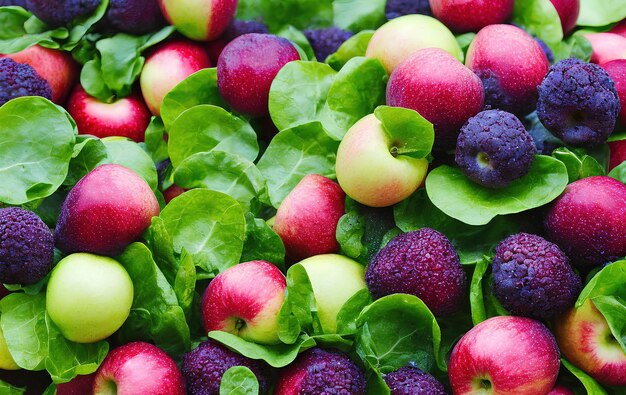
[(105, 211), (436, 85), (505, 355), (138, 368), (471, 15), (568, 13), (617, 72), (586, 341), (172, 192), (606, 47), (307, 219), (620, 28), (127, 117), (561, 390), (79, 385), (618, 153), (244, 76), (245, 300)]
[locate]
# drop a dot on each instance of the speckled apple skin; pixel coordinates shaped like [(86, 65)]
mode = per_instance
[(139, 368), (463, 16), (106, 210), (307, 219), (588, 221), (200, 20), (252, 292), (436, 85), (126, 117), (581, 334), (617, 72), (518, 72), (568, 11), (246, 68), (518, 355), (606, 47)]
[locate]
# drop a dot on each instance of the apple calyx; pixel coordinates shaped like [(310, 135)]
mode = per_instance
[(482, 385), (408, 132), (109, 388)]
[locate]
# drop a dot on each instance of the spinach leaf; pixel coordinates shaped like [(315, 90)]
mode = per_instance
[(239, 380), (403, 125), (600, 12), (607, 282), (578, 163), (8, 389), (539, 18), (36, 145), (185, 283), (351, 48), (129, 154), (262, 243), (350, 311), (299, 40), (357, 15), (592, 386), (614, 311), (83, 24), (299, 310), (477, 303), (88, 153), (277, 13), (156, 145), (210, 225), (477, 205), (162, 247), (14, 36), (619, 172)]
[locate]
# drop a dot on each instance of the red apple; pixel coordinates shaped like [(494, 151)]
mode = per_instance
[(106, 210), (561, 390), (568, 13), (166, 66), (617, 72), (126, 117), (510, 82), (173, 192), (505, 355), (588, 221), (200, 20), (56, 67), (586, 341), (606, 47), (620, 28), (138, 368), (245, 300), (471, 15), (440, 88), (307, 219), (79, 385), (244, 77), (618, 153)]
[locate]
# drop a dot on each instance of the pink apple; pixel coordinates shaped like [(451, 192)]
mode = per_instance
[(138, 368), (440, 88), (471, 15), (79, 385), (620, 28), (307, 219), (586, 341), (618, 153), (617, 72), (106, 210), (127, 117), (606, 47), (200, 20), (166, 66), (245, 300), (505, 355), (510, 82), (568, 11)]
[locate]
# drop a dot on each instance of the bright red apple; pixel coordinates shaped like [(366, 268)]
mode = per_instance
[(106, 210), (617, 72), (568, 11), (245, 300), (471, 15), (505, 355), (200, 20), (127, 117), (606, 47), (138, 368)]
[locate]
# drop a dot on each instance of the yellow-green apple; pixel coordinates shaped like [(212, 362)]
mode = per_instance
[(617, 71), (440, 88), (334, 279), (127, 117), (307, 219), (505, 355), (244, 78), (167, 65), (397, 39), (105, 211), (568, 11), (245, 300), (6, 359), (138, 368), (369, 168), (471, 15), (510, 82), (606, 47), (88, 297), (199, 20)]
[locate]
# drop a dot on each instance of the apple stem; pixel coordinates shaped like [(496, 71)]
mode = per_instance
[(394, 152)]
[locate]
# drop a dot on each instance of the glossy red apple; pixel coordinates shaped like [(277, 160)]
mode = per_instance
[(106, 210), (505, 355), (138, 368), (463, 16), (127, 117), (307, 219), (200, 20), (586, 341), (166, 66), (617, 72), (568, 11), (606, 47), (173, 192), (245, 300), (618, 153), (79, 385)]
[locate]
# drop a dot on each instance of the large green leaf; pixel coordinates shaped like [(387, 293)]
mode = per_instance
[(601, 12)]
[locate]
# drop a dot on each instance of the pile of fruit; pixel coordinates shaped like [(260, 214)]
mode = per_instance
[(310, 197)]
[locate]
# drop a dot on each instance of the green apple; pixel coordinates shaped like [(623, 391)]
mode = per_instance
[(334, 279), (370, 169), (6, 359), (89, 297)]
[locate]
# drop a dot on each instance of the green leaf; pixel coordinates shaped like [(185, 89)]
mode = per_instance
[(411, 134), (239, 380), (592, 386), (155, 314), (36, 140), (607, 282), (465, 40), (350, 311), (600, 12), (350, 231), (205, 128), (357, 15), (351, 48), (223, 172), (613, 308), (14, 36), (8, 389), (129, 154), (88, 153), (199, 88), (412, 336), (477, 205), (162, 247), (210, 225), (299, 40), (477, 302), (83, 24), (92, 80), (155, 141), (294, 153), (299, 310), (185, 283), (539, 18), (579, 165), (277, 13), (262, 243), (619, 172), (576, 46)]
